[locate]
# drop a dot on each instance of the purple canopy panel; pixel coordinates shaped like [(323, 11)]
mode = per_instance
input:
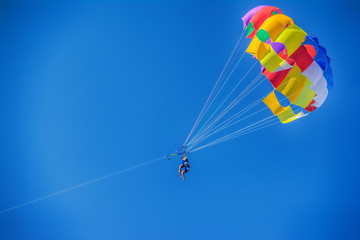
[(262, 68), (277, 46), (247, 18)]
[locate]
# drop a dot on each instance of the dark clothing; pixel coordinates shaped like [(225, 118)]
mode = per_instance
[(185, 164)]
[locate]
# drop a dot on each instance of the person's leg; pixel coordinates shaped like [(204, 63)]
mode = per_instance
[(180, 167), (183, 175)]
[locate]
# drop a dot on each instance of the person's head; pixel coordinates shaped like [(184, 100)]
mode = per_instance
[(183, 157)]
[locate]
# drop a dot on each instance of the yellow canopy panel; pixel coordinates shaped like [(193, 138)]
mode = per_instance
[(285, 114), (271, 60), (273, 26), (291, 37), (257, 48), (287, 119), (295, 87), (292, 87), (305, 96), (273, 104)]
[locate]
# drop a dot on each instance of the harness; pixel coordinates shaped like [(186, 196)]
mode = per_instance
[(185, 160)]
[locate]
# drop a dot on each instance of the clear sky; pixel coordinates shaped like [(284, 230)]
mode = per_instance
[(88, 88)]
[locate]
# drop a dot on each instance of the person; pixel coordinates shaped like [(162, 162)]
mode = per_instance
[(184, 167)]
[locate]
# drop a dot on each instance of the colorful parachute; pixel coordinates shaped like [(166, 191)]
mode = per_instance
[(294, 62)]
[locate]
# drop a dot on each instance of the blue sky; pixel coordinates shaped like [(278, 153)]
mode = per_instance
[(92, 87)]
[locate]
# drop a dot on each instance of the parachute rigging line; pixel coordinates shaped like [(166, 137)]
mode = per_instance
[(220, 78), (248, 129), (206, 128), (274, 118), (81, 185), (204, 125), (296, 65)]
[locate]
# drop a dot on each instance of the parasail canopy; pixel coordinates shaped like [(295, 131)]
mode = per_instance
[(293, 61), (293, 71)]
